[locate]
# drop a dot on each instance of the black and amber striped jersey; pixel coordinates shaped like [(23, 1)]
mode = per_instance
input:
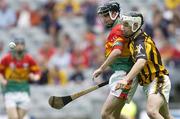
[(144, 47)]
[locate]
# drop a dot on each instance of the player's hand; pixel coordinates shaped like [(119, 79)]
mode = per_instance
[(121, 83), (34, 77), (4, 82), (97, 72)]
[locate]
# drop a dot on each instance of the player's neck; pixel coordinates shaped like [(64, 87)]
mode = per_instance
[(117, 21), (18, 56), (137, 34)]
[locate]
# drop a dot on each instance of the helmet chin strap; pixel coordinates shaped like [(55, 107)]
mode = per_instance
[(113, 18), (129, 36), (135, 30)]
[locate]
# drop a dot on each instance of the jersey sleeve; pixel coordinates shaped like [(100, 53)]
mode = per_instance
[(34, 68), (3, 64), (141, 50), (117, 35), (118, 44)]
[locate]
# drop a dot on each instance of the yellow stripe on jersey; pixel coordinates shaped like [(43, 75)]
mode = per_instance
[(34, 68), (1, 67), (120, 40), (16, 74), (144, 47)]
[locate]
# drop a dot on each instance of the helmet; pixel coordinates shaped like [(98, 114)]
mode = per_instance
[(18, 40), (133, 18), (108, 8)]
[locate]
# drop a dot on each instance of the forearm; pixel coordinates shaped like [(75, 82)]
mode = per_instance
[(1, 77), (137, 67), (114, 54)]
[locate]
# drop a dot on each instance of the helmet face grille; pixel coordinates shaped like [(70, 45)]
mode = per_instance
[(136, 15), (19, 40), (133, 21), (103, 10)]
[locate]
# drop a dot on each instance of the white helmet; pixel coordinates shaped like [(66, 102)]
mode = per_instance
[(132, 19)]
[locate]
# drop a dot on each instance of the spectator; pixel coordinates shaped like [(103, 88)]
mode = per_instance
[(148, 27), (7, 16), (176, 18), (159, 38), (176, 53), (172, 4), (89, 8), (45, 53), (172, 33), (79, 63), (90, 47), (26, 17), (36, 17), (78, 74), (51, 24), (78, 58), (49, 5), (67, 42), (159, 21), (68, 7), (58, 67), (47, 50)]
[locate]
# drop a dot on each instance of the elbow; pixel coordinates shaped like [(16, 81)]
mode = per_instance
[(117, 52), (142, 62)]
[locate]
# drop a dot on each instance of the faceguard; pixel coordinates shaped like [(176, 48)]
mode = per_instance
[(133, 19)]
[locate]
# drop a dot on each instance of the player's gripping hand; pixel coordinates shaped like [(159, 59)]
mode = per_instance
[(122, 84), (34, 77), (97, 72), (3, 82)]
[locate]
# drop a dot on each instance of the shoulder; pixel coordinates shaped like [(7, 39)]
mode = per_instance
[(117, 30), (7, 56), (141, 38), (28, 56), (144, 38), (116, 33)]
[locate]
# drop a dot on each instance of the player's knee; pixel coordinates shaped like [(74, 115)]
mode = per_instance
[(167, 116), (104, 114), (152, 113), (12, 117)]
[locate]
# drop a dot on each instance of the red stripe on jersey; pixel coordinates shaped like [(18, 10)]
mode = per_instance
[(114, 40)]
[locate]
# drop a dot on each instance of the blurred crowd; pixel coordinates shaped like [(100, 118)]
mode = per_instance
[(63, 59)]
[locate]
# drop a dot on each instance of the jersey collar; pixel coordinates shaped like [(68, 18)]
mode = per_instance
[(117, 21)]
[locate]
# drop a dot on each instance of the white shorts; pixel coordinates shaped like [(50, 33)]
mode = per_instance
[(127, 93), (17, 99), (159, 85)]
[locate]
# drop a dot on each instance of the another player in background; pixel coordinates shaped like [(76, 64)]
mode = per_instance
[(16, 68), (118, 58), (148, 67)]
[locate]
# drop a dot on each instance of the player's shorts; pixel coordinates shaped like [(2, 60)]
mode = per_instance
[(159, 85), (126, 93), (17, 99)]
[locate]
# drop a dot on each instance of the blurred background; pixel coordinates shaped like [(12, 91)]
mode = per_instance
[(67, 39)]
